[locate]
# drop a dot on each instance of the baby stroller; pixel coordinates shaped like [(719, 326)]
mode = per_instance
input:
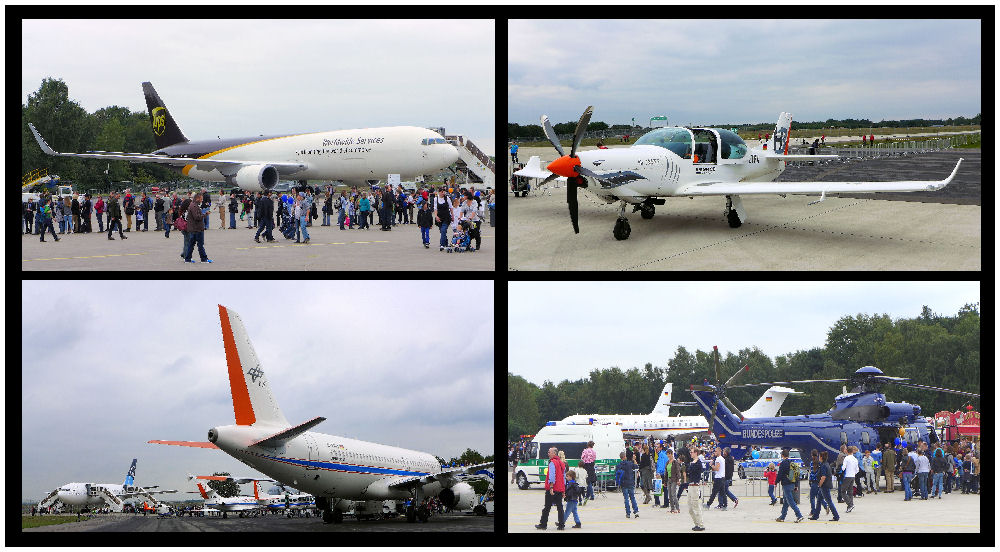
[(288, 225), (461, 241)]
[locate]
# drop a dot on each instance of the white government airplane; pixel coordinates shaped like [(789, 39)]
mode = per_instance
[(688, 162), (336, 470), (98, 494), (660, 425), (226, 504), (256, 163)]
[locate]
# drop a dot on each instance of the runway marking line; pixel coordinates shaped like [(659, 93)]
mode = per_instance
[(83, 257)]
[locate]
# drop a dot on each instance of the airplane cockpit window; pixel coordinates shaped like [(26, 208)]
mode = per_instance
[(733, 147), (706, 146), (677, 140), (430, 141)]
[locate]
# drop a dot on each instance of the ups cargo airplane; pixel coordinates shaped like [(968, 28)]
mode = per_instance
[(257, 163), (336, 470)]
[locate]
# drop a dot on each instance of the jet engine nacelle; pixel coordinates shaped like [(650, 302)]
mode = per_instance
[(256, 178), (458, 497)]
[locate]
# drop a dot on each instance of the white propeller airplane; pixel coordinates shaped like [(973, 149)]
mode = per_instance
[(226, 504), (256, 163), (336, 470), (96, 494), (288, 501), (660, 425), (688, 162)]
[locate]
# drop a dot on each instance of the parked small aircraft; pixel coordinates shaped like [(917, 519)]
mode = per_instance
[(688, 162)]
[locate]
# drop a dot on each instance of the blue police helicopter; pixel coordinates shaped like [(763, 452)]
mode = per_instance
[(861, 417)]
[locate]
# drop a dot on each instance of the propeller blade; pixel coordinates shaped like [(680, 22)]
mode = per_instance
[(581, 127), (941, 389), (732, 407), (551, 135), (746, 368), (548, 179), (583, 171), (574, 207)]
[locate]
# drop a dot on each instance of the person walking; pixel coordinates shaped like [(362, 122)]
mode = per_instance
[(840, 473), (771, 473), (555, 486), (306, 203), (99, 207), (938, 465), (45, 220), (168, 219), (442, 217), (826, 484), (513, 153), (424, 222), (196, 216), (265, 211), (327, 210), (850, 472), (57, 214), (588, 458), (730, 467), (718, 480), (625, 475), (115, 217), (660, 461), (787, 488), (815, 495), (365, 206), (645, 473), (674, 473), (573, 492)]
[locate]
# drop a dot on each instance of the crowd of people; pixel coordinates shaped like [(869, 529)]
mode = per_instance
[(460, 210), (939, 467)]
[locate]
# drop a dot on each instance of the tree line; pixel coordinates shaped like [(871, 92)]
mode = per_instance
[(68, 127), (515, 130), (931, 349)]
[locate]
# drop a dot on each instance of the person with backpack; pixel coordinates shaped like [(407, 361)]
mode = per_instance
[(788, 478), (573, 492)]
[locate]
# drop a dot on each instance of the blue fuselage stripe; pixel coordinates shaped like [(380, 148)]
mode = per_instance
[(351, 468)]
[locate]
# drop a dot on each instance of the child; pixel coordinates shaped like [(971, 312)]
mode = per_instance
[(424, 220), (573, 492), (772, 475), (460, 239)]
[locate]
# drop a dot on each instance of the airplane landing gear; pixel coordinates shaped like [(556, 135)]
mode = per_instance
[(731, 216), (647, 209), (622, 229)]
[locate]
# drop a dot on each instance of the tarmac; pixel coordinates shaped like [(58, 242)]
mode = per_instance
[(131, 522), (840, 233), (328, 249), (873, 514)]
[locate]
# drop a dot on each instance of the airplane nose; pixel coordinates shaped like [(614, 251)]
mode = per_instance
[(451, 154), (565, 166)]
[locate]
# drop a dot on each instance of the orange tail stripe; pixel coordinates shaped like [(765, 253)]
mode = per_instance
[(237, 381)]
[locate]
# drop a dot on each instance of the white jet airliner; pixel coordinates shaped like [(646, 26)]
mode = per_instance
[(658, 424), (226, 504), (256, 163), (336, 470), (97, 494)]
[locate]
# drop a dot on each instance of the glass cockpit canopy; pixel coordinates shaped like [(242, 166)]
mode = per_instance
[(681, 141)]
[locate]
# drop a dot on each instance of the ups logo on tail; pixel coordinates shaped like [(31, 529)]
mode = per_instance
[(159, 120)]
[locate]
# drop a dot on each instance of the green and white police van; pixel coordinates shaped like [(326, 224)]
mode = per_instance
[(572, 439)]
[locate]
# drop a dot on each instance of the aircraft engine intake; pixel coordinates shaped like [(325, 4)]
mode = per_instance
[(459, 497), (256, 178)]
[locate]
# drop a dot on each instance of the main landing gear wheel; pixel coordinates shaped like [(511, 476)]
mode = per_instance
[(622, 229), (734, 219), (648, 211)]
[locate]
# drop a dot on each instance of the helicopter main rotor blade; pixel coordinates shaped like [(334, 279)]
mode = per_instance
[(792, 382), (732, 407), (941, 389), (551, 135), (746, 368), (581, 127), (702, 388)]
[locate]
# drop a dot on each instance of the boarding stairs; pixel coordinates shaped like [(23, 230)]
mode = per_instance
[(36, 177), (110, 498), (477, 162)]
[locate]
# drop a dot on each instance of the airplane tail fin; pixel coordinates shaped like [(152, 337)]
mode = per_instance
[(253, 402), (165, 129), (663, 405), (782, 134), (130, 476), (770, 402), (533, 169), (206, 494)]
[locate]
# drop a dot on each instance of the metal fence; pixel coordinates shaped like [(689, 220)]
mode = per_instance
[(891, 148)]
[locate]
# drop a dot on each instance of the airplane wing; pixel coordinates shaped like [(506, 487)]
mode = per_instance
[(447, 477), (196, 444), (226, 167), (146, 492), (238, 480), (748, 188), (793, 157)]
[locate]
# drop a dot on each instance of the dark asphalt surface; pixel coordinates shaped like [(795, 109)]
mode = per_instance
[(437, 523), (965, 189)]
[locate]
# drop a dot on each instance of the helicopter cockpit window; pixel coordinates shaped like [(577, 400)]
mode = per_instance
[(733, 147), (677, 140)]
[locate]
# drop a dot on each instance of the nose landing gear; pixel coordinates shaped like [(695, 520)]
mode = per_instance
[(622, 229)]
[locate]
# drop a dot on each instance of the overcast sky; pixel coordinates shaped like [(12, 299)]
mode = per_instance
[(742, 71), (563, 330), (241, 78), (107, 366)]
